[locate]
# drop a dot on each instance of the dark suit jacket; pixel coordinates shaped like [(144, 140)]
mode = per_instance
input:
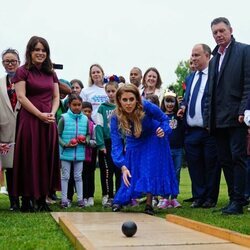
[(228, 90)]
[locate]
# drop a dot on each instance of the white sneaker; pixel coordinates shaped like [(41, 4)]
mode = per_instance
[(49, 201), (3, 190), (175, 203), (161, 201), (165, 204), (155, 201), (104, 200), (90, 202), (85, 201)]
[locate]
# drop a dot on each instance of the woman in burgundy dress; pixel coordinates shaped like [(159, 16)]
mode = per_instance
[(36, 159)]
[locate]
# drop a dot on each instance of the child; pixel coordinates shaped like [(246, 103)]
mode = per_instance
[(153, 98), (169, 105), (72, 129), (103, 141), (76, 86), (88, 173)]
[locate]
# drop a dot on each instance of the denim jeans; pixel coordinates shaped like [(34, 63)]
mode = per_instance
[(66, 165)]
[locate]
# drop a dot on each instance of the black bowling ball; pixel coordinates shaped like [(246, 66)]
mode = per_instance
[(129, 228)]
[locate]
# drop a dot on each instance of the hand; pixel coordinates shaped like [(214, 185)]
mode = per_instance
[(92, 143), (70, 145), (125, 175), (104, 150), (81, 139), (4, 148), (47, 117), (160, 132), (181, 112), (241, 118)]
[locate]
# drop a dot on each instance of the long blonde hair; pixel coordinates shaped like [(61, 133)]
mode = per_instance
[(125, 119)]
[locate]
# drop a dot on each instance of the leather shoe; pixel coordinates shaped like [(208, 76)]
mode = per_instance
[(149, 210), (196, 204), (116, 207), (245, 203), (226, 207), (233, 209), (208, 204), (189, 200)]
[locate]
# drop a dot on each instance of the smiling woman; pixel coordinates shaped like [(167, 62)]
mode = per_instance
[(152, 83), (8, 113), (36, 158)]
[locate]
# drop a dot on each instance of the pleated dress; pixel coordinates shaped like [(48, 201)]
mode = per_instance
[(36, 158)]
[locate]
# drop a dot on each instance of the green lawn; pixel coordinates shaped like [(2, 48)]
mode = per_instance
[(40, 231)]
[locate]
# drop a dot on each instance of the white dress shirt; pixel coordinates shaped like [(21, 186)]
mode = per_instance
[(197, 120)]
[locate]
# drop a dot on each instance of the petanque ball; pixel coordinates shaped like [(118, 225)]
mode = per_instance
[(129, 228)]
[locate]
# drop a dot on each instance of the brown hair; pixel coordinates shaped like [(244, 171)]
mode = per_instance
[(159, 81), (47, 66)]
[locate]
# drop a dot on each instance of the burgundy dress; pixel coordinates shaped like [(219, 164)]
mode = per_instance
[(36, 158)]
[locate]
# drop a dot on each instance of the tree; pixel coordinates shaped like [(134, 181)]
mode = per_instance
[(182, 71)]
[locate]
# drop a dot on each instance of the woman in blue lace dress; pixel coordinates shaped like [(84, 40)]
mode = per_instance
[(144, 158)]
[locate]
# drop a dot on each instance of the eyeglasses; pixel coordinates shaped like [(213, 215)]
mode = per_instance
[(12, 62)]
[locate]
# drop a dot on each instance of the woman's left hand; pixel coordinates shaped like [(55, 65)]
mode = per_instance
[(47, 117), (160, 132)]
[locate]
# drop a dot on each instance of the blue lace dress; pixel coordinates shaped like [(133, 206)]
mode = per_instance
[(147, 157)]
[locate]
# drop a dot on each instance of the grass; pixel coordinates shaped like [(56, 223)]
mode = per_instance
[(40, 231), (238, 223)]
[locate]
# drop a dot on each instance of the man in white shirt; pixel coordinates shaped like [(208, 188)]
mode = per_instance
[(200, 147), (135, 78)]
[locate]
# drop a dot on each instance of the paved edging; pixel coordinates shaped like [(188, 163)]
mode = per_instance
[(225, 234), (78, 241)]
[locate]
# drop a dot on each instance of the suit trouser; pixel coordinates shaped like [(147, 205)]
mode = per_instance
[(247, 190), (231, 144), (204, 171)]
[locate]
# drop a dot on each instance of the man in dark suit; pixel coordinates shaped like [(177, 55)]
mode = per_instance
[(229, 85), (200, 147)]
